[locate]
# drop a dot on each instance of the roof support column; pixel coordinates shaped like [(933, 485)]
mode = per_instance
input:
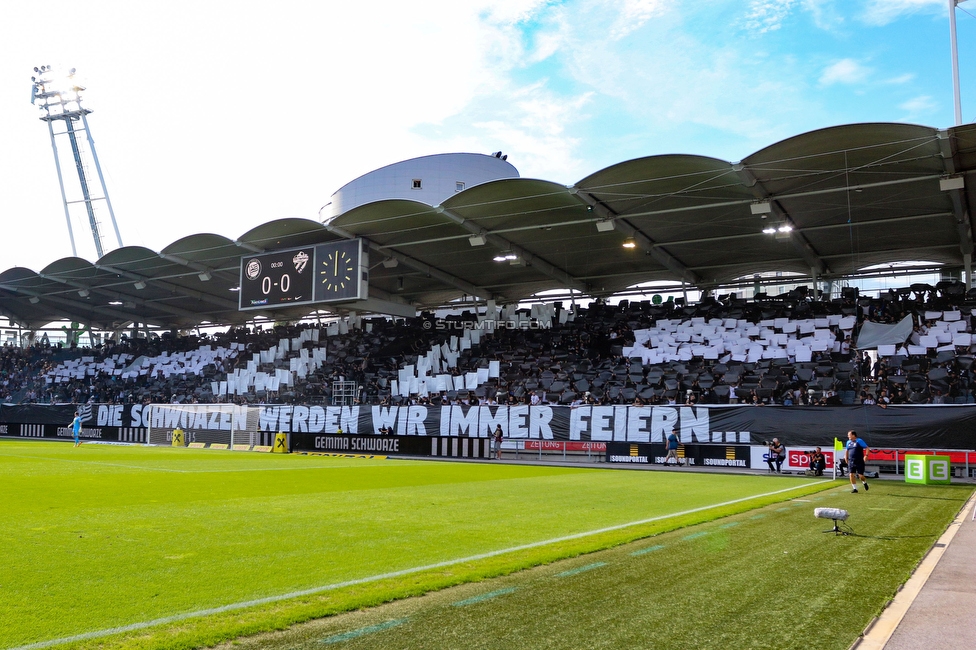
[(539, 264), (620, 224), (799, 242), (954, 187), (417, 265)]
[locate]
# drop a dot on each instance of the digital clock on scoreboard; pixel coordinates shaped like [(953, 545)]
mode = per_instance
[(278, 279)]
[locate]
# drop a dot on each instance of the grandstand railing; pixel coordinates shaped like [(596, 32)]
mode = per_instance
[(889, 459), (958, 458), (592, 451)]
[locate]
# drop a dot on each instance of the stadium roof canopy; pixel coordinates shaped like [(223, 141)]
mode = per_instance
[(854, 195)]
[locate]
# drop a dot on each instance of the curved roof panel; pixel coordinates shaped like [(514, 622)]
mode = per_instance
[(396, 221), (286, 233)]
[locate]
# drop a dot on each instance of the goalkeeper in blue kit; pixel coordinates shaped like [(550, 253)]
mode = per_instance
[(76, 428)]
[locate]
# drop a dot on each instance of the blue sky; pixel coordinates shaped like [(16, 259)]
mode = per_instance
[(218, 116)]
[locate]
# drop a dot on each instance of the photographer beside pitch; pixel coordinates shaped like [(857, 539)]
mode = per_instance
[(857, 453), (776, 455), (818, 463)]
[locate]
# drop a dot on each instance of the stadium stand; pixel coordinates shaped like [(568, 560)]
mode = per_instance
[(783, 350)]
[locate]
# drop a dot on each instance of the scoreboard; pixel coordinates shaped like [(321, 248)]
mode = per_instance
[(333, 272)]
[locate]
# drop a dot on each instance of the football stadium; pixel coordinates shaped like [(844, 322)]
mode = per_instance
[(681, 402), (323, 467)]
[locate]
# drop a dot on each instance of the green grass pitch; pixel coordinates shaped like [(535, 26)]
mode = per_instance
[(128, 547)]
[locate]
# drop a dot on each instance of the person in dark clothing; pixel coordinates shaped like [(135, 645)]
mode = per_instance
[(818, 462), (672, 444), (775, 456), (857, 453)]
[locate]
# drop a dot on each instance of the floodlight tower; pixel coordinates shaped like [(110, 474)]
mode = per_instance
[(59, 97), (955, 59)]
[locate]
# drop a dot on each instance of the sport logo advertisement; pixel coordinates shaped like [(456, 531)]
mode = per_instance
[(800, 458), (300, 260)]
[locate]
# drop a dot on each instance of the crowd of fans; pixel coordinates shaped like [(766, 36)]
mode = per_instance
[(579, 359)]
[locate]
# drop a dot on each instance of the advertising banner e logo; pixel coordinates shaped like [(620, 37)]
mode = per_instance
[(915, 469)]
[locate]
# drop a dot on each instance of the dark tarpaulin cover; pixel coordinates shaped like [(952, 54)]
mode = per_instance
[(931, 427), (874, 334)]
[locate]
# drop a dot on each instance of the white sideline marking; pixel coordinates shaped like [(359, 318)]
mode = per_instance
[(168, 469), (98, 462), (383, 576)]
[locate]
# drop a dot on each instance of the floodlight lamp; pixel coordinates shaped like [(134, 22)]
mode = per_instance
[(34, 300), (769, 230), (84, 293), (785, 228), (61, 84), (206, 276), (477, 240), (629, 243), (606, 225), (140, 285), (115, 303), (235, 289), (761, 207), (390, 262)]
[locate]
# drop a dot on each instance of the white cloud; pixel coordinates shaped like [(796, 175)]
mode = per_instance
[(883, 12), (901, 79), (767, 15), (633, 14), (764, 16), (538, 123), (824, 13), (845, 71), (918, 106), (677, 80)]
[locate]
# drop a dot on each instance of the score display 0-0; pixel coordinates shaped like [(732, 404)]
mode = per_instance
[(331, 272)]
